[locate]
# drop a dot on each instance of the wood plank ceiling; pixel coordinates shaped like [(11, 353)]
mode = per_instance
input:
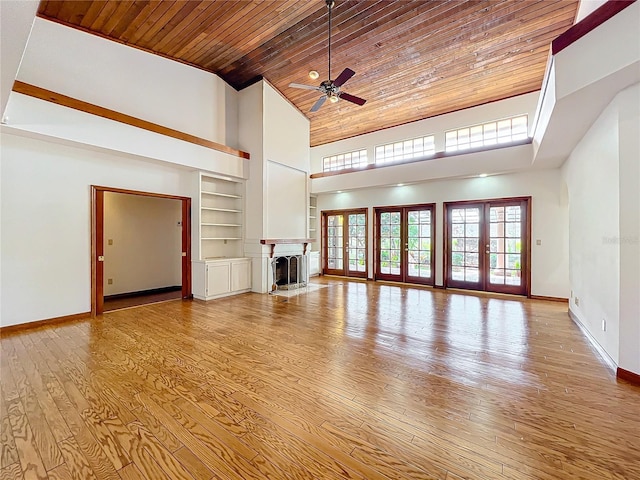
[(413, 59)]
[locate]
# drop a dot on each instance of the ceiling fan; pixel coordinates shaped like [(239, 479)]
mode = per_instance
[(331, 88)]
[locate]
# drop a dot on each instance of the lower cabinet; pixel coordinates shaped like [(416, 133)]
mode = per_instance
[(314, 263), (221, 277)]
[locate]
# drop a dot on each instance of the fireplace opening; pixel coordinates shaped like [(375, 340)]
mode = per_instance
[(289, 272)]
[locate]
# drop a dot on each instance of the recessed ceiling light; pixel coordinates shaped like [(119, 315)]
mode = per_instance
[(339, 191), (483, 175), (400, 185), (313, 75)]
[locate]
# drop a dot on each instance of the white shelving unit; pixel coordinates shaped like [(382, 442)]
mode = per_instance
[(314, 254), (220, 269), (221, 217)]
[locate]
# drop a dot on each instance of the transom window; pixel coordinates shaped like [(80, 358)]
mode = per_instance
[(492, 133), (406, 150), (345, 160)]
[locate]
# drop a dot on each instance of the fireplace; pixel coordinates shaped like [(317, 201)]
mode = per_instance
[(289, 265), (289, 271)]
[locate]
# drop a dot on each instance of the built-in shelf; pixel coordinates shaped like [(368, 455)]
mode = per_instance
[(215, 209), (221, 224), (221, 216), (313, 222), (227, 195), (221, 238)]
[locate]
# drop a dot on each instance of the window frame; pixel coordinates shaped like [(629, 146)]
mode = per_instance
[(402, 156), (485, 139)]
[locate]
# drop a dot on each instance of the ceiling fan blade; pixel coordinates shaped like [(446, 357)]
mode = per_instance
[(352, 98), (318, 104), (346, 74), (305, 87)]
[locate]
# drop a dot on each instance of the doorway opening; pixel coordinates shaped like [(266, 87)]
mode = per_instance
[(488, 245), (147, 262), (405, 244), (344, 242)]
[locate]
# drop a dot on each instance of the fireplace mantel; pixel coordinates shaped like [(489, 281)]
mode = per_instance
[(277, 241)]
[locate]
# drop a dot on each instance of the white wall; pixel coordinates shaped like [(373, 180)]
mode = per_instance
[(46, 234), (629, 153), (588, 6), (142, 243), (16, 19), (592, 178), (277, 135), (603, 179), (549, 260), (126, 79)]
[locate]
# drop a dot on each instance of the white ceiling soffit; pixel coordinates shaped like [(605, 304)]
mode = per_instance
[(581, 81)]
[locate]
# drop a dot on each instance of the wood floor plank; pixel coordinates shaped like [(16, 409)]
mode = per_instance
[(30, 460), (354, 380), (61, 472), (12, 471), (75, 460), (198, 470), (131, 472), (8, 449)]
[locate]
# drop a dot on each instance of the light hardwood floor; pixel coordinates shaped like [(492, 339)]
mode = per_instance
[(353, 380)]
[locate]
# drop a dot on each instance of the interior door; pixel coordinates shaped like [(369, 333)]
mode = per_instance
[(404, 244), (345, 242), (488, 245)]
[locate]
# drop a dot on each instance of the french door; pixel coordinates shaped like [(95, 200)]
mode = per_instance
[(404, 244), (344, 243), (488, 245)]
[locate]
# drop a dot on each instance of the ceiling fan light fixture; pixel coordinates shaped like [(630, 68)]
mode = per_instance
[(330, 88)]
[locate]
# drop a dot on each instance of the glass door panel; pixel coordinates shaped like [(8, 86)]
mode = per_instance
[(505, 248), (357, 243), (335, 244), (390, 242), (465, 258), (419, 245)]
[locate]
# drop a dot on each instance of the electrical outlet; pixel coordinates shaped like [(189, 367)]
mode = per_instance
[(110, 281), (538, 242), (576, 301), (110, 241), (604, 325)]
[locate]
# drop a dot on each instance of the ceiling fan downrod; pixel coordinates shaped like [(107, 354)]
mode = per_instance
[(330, 4)]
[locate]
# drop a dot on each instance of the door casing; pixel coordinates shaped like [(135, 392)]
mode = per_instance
[(526, 253), (403, 236), (97, 242)]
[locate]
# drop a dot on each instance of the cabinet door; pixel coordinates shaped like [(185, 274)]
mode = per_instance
[(240, 275), (218, 276), (314, 263)]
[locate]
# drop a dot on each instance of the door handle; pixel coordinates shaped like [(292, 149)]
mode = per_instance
[(488, 250), (101, 258)]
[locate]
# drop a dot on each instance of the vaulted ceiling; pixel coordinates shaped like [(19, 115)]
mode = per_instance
[(413, 59)]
